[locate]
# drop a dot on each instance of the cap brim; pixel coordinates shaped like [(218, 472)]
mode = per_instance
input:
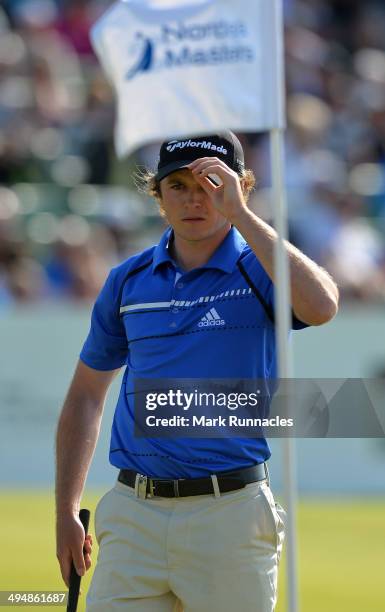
[(176, 165)]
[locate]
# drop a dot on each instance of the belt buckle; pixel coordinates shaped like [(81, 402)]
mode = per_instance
[(151, 486), (141, 486), (176, 488)]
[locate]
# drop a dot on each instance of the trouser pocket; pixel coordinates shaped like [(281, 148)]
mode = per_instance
[(277, 515)]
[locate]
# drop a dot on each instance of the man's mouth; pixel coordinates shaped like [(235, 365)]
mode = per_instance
[(193, 219)]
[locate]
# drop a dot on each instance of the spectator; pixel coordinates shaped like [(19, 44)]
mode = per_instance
[(56, 119)]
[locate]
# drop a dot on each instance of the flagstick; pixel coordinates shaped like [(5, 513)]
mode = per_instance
[(285, 368)]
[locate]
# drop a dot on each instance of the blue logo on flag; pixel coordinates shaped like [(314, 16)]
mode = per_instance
[(144, 63), (179, 46)]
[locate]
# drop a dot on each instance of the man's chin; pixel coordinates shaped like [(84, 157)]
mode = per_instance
[(198, 234)]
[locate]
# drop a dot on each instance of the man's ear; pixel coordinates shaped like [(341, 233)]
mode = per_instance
[(247, 184), (243, 183)]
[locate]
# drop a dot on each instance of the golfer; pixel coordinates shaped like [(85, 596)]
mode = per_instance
[(191, 524)]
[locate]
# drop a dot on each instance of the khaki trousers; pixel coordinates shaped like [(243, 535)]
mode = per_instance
[(191, 554)]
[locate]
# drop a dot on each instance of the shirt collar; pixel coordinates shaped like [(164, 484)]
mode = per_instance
[(228, 252), (224, 258), (161, 252)]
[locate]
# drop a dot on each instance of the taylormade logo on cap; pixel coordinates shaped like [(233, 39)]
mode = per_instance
[(202, 144)]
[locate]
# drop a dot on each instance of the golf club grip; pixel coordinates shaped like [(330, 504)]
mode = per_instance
[(73, 594)]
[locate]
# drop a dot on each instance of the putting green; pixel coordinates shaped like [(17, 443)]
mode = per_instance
[(341, 551)]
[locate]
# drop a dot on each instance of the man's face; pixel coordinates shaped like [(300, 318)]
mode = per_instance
[(188, 208)]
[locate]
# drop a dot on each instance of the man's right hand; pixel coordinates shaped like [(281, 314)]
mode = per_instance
[(72, 544), (77, 434)]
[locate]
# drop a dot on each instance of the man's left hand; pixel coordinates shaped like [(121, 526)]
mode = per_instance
[(227, 197)]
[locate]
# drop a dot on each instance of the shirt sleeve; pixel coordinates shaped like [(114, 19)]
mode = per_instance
[(106, 345), (264, 287), (296, 323)]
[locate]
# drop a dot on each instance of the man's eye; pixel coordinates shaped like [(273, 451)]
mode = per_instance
[(176, 186)]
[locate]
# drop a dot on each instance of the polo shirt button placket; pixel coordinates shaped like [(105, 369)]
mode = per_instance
[(175, 309)]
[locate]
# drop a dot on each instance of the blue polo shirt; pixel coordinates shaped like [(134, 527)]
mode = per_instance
[(155, 320)]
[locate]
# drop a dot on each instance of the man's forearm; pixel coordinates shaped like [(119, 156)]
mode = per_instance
[(314, 295), (76, 438), (77, 434)]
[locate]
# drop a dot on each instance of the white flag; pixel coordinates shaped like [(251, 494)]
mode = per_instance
[(192, 67)]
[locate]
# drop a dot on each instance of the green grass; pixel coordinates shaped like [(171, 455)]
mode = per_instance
[(341, 557), (341, 552)]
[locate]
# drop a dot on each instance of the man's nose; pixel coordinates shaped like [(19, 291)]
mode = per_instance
[(195, 196)]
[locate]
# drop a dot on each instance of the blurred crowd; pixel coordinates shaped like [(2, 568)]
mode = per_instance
[(69, 210)]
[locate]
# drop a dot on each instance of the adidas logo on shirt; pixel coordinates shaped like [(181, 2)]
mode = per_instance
[(211, 319)]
